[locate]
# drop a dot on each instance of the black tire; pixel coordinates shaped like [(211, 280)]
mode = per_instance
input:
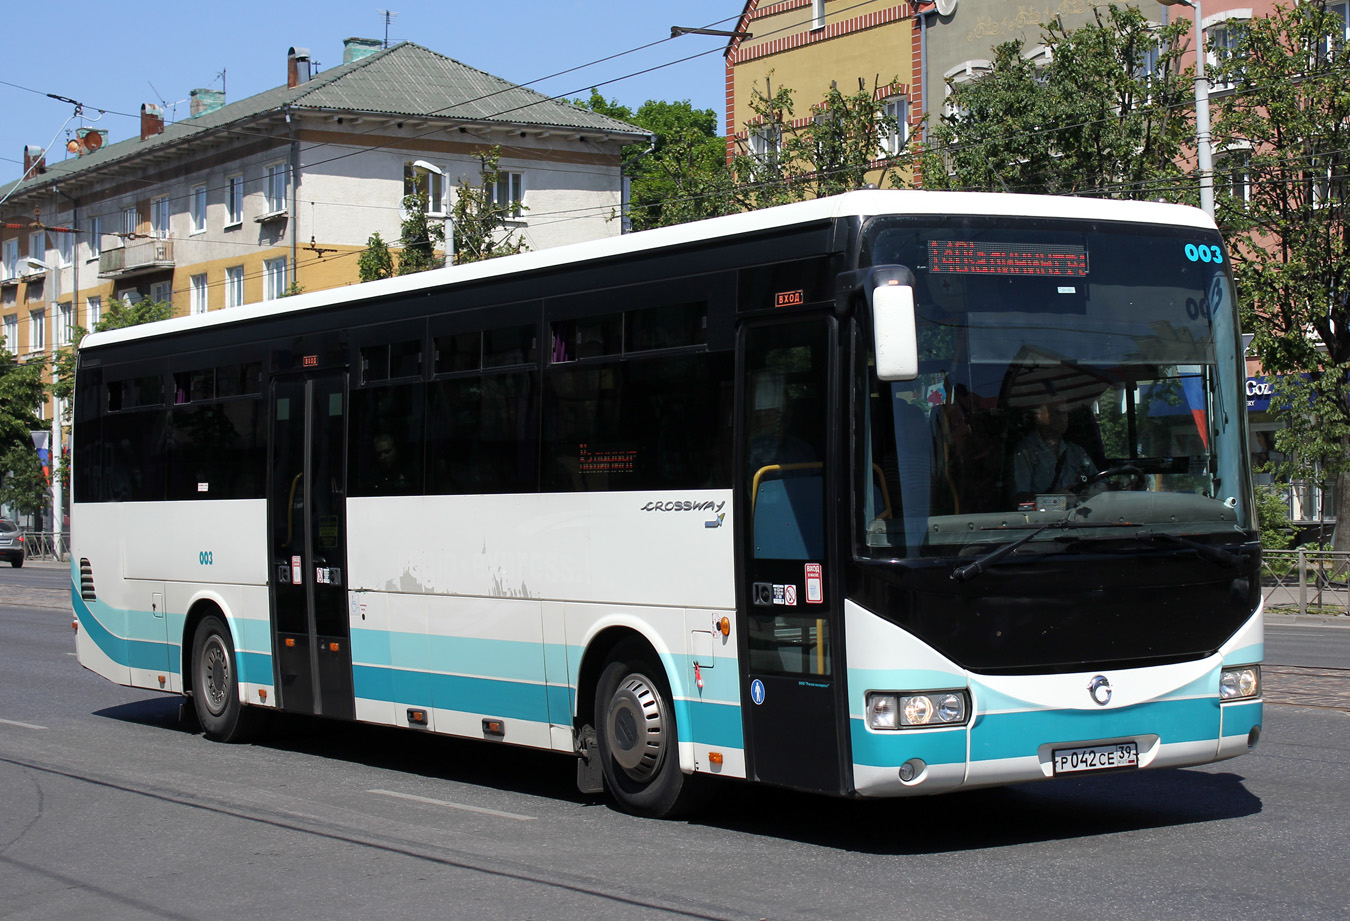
[(17, 562), (637, 739), (215, 686)]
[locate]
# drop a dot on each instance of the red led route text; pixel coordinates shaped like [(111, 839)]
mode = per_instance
[(961, 257)]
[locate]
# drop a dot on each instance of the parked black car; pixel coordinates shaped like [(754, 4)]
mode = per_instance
[(11, 543)]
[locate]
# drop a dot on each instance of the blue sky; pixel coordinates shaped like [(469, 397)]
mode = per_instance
[(117, 56)]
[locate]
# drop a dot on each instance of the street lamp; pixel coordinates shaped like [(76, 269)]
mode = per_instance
[(1203, 152)]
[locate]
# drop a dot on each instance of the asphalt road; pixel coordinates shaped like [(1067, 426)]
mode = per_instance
[(109, 809)]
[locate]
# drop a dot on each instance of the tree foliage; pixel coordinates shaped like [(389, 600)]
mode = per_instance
[(421, 237), (1106, 114), (1288, 124), (376, 261), (482, 223)]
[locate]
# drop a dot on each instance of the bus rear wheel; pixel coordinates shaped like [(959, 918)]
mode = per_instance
[(637, 739), (215, 685)]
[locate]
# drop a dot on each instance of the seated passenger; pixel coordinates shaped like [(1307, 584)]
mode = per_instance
[(1045, 461)]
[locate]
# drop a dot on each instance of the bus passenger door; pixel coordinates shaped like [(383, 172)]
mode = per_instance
[(308, 541), (792, 692)]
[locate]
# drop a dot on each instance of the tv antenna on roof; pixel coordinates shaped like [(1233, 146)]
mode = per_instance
[(389, 16)]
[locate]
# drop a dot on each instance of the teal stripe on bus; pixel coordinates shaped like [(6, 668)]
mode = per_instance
[(892, 749), (1015, 735), (507, 699), (1241, 718), (132, 653)]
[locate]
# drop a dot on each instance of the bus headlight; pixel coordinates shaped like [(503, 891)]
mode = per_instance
[(1239, 683), (901, 710)]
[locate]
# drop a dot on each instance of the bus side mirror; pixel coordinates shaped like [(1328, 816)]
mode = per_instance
[(894, 333)]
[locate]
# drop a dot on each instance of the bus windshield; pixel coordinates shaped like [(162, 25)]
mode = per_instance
[(1072, 373)]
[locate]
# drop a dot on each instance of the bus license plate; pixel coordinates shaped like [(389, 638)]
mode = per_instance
[(1096, 758)]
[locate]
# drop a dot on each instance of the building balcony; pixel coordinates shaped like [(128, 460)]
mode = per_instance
[(136, 258)]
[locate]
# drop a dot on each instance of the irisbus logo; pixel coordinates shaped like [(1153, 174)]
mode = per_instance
[(1100, 690)]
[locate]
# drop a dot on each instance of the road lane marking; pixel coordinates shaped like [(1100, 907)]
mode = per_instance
[(467, 808), (21, 725)]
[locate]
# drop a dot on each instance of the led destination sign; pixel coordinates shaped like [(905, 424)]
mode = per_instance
[(963, 257)]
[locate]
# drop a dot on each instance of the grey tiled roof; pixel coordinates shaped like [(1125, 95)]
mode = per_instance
[(406, 80)]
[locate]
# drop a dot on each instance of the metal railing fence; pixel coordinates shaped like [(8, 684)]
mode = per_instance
[(44, 545), (1304, 581)]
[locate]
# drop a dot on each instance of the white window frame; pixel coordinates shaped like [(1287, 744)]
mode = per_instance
[(276, 188), (435, 184), (1336, 43), (12, 333), (893, 140), (93, 312), (234, 201), (95, 238), (37, 246), (160, 217), (162, 292), (234, 286), (65, 249), (10, 258), (65, 323), (131, 219), (961, 73), (37, 330), (198, 209), (274, 278), (1220, 26), (197, 294), (509, 192), (817, 15), (1232, 173)]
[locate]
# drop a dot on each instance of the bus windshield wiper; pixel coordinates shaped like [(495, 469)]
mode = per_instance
[(1216, 555), (971, 570)]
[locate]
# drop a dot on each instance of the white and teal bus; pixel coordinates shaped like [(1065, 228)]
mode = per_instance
[(885, 494)]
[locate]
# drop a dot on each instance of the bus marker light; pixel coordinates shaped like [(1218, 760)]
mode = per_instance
[(493, 727), (290, 642), (262, 693), (75, 625), (333, 647), (417, 716), (725, 626), (715, 758)]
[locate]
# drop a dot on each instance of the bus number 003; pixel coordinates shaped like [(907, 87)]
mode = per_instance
[(1204, 253), (204, 558)]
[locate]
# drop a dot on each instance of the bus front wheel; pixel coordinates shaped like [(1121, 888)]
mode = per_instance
[(636, 736), (215, 685)]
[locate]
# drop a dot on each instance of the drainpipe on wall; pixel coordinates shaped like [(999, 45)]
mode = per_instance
[(294, 222), (55, 453)]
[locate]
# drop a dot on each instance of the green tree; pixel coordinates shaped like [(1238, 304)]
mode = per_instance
[(482, 222), (1107, 115), (22, 390), (1290, 113), (682, 174), (376, 261), (421, 237)]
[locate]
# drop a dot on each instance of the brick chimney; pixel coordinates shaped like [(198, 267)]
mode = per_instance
[(204, 101), (34, 160), (297, 67), (354, 49), (152, 120)]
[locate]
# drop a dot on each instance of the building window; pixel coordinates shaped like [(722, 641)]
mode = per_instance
[(93, 312), (1232, 175), (509, 193), (234, 286), (197, 294), (131, 220), (162, 292), (37, 330), (199, 209), (1222, 38), (1340, 32), (277, 188), (11, 258), (234, 201), (159, 218), (274, 278), (37, 246), (817, 14), (95, 237), (421, 178), (765, 142), (895, 136), (65, 248), (65, 323), (12, 333)]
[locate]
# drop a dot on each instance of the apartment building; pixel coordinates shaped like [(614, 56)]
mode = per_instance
[(246, 201)]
